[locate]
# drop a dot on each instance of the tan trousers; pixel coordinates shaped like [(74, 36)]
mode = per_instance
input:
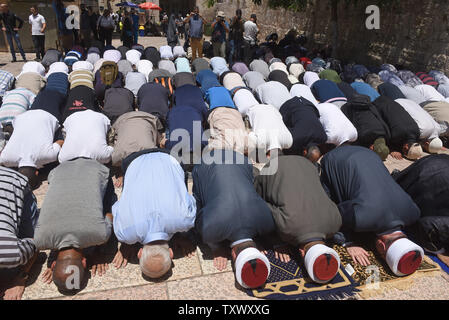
[(197, 48)]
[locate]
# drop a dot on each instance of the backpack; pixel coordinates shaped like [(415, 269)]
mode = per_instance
[(108, 72), (165, 82), (196, 27)]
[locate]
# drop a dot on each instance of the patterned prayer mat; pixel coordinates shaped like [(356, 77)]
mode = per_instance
[(443, 266), (289, 281)]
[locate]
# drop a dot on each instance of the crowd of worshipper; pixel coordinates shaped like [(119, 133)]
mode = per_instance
[(91, 119)]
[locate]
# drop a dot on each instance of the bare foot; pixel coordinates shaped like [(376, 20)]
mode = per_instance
[(396, 155), (444, 258), (220, 258)]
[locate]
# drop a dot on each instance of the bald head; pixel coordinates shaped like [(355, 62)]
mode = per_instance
[(313, 154), (155, 260), (68, 272)]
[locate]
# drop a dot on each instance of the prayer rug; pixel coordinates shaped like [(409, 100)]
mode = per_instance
[(378, 276), (289, 281)]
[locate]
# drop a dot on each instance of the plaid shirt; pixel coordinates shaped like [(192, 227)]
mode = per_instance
[(6, 82)]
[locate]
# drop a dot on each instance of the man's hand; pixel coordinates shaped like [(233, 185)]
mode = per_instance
[(99, 268), (396, 155), (359, 255), (123, 255), (220, 258), (3, 29), (16, 291), (48, 274)]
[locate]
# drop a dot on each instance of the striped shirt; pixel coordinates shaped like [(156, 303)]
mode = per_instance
[(6, 81), (81, 78), (15, 102), (16, 201)]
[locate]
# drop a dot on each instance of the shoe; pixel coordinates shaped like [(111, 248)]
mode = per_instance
[(14, 60)]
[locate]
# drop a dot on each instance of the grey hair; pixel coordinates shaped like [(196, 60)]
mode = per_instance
[(159, 252)]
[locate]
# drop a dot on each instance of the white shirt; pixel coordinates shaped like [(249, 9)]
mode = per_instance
[(339, 129), (86, 137), (133, 56), (31, 144), (430, 93), (37, 22), (268, 129), (273, 93), (301, 90), (145, 67), (250, 31), (428, 127), (243, 100), (166, 52)]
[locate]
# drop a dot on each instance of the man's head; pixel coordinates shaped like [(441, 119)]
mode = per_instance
[(196, 10), (252, 267), (254, 17), (34, 10), (412, 150), (155, 259), (221, 15), (4, 8), (133, 10), (32, 174), (435, 145), (106, 13), (312, 153), (238, 13), (380, 147), (69, 269)]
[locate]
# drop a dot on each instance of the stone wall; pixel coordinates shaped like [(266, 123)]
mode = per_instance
[(413, 33)]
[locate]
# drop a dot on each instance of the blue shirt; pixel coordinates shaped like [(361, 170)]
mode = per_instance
[(155, 203), (219, 27)]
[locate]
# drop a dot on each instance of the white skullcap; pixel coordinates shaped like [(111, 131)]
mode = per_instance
[(435, 145), (112, 55), (233, 80), (145, 67), (252, 268), (133, 56), (178, 51), (58, 67), (296, 69), (166, 52), (278, 66), (404, 248), (310, 78), (33, 66), (311, 257), (83, 65)]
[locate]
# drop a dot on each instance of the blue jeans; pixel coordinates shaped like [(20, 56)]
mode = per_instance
[(14, 35)]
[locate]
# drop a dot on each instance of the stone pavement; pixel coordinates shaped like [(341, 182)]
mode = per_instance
[(193, 278)]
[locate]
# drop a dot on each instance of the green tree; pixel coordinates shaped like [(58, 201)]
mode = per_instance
[(301, 5)]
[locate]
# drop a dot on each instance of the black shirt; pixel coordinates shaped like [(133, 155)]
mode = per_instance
[(8, 20)]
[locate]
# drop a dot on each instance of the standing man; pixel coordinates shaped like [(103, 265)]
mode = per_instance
[(220, 26), (250, 38), (236, 38), (135, 19), (105, 27), (8, 24), (85, 29), (38, 25), (196, 30)]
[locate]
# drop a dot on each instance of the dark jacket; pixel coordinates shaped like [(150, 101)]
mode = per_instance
[(302, 119), (8, 20), (154, 98), (190, 95), (367, 120), (229, 207), (300, 207), (427, 182), (402, 126), (368, 198)]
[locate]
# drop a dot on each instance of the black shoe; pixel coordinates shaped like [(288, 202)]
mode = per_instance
[(14, 60), (25, 60)]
